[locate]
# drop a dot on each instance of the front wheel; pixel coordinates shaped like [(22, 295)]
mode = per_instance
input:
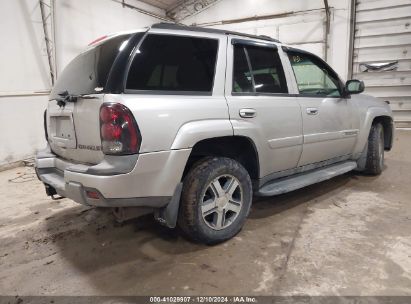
[(216, 200), (375, 154)]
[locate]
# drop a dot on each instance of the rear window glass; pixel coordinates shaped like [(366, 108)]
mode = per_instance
[(242, 79), (89, 71), (174, 63), (266, 74), (267, 69)]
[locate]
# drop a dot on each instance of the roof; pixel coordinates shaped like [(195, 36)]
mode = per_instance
[(173, 26)]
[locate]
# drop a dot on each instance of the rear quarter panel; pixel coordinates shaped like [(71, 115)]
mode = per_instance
[(160, 118)]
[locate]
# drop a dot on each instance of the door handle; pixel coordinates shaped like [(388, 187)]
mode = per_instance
[(312, 111), (248, 113)]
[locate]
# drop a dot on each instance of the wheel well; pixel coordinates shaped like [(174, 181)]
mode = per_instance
[(388, 126), (240, 148)]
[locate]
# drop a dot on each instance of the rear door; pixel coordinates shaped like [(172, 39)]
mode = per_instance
[(259, 104), (73, 127), (330, 121)]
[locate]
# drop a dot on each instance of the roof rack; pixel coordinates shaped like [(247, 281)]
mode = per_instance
[(174, 26)]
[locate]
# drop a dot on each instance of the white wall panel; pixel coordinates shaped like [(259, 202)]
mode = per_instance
[(23, 60), (389, 12), (383, 40), (400, 103), (270, 30), (383, 54), (24, 67), (396, 78), (21, 119), (79, 22), (380, 4), (231, 9), (303, 31), (391, 27), (315, 48)]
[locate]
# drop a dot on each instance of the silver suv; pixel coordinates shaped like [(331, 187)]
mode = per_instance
[(189, 123)]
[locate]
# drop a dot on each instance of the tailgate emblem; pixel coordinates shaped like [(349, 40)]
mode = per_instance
[(89, 147)]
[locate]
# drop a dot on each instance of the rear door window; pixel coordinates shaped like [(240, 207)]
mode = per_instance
[(258, 69), (242, 79), (174, 64)]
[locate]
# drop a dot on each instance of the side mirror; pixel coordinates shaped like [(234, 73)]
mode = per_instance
[(354, 86)]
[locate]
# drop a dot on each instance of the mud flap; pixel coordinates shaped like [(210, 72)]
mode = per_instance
[(362, 161), (167, 215)]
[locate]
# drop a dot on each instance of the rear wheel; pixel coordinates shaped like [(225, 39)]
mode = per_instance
[(216, 199), (375, 154)]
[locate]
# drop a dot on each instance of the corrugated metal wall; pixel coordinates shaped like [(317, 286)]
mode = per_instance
[(382, 52)]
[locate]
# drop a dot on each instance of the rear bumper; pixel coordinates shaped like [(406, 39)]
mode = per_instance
[(151, 181)]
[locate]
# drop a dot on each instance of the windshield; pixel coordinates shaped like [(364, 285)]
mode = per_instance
[(89, 71)]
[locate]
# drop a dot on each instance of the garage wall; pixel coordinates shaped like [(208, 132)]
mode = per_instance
[(299, 23), (25, 78), (382, 53), (79, 22)]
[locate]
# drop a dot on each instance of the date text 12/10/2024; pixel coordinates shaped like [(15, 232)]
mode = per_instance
[(200, 299)]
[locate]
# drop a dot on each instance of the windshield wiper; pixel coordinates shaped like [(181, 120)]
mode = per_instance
[(65, 96)]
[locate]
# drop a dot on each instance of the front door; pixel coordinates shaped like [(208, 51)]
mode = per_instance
[(260, 107), (330, 122)]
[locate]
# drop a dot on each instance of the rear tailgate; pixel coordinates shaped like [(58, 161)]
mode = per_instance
[(74, 130), (73, 126)]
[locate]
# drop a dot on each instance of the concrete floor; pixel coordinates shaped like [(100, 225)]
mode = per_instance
[(347, 236)]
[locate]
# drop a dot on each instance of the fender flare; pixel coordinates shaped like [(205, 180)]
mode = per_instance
[(370, 115), (194, 131)]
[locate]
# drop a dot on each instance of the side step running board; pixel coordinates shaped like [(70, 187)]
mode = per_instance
[(291, 183)]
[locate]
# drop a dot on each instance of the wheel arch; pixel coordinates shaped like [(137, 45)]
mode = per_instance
[(388, 127), (195, 131), (239, 148), (375, 115)]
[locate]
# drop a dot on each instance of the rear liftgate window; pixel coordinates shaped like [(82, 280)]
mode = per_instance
[(174, 64), (89, 71)]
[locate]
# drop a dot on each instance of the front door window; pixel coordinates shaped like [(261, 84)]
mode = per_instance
[(313, 76)]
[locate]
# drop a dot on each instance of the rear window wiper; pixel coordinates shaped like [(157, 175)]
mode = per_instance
[(65, 96)]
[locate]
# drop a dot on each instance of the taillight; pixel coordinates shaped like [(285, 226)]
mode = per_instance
[(118, 130)]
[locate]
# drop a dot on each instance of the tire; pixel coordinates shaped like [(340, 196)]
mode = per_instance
[(209, 213), (375, 154)]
